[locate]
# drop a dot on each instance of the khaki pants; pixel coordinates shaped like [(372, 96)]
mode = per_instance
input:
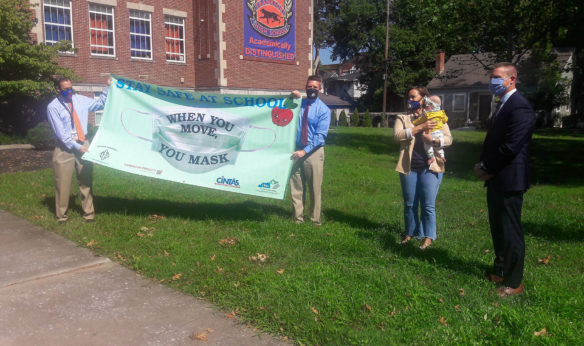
[(65, 161), (308, 171)]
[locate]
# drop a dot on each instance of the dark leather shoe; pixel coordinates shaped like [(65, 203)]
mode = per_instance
[(495, 278), (504, 291)]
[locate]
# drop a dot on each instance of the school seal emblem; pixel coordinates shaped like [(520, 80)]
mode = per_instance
[(270, 18)]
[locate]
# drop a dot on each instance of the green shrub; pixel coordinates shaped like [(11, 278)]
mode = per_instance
[(367, 120), (343, 119), (456, 123), (355, 118), (10, 139), (41, 136), (333, 118)]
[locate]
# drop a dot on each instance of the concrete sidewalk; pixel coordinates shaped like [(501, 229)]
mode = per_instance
[(55, 293)]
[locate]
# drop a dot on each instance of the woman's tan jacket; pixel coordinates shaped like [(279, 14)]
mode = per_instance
[(406, 145)]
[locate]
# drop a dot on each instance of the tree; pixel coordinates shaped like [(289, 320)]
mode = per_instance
[(324, 14), (333, 118), (507, 28), (367, 119), (355, 118), (26, 69), (343, 119)]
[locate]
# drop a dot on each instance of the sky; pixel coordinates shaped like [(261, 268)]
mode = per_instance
[(325, 56)]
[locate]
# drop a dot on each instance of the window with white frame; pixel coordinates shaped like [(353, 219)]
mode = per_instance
[(459, 103), (140, 35), (98, 114), (58, 24), (101, 30), (175, 38)]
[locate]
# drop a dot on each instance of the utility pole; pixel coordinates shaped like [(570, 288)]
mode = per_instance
[(386, 61)]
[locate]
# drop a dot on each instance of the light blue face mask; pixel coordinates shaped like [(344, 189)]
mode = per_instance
[(197, 140), (496, 86)]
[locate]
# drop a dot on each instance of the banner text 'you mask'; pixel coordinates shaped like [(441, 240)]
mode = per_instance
[(196, 140)]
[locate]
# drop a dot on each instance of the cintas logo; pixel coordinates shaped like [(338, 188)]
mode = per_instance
[(233, 182)]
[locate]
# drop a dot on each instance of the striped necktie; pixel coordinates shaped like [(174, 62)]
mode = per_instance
[(78, 127)]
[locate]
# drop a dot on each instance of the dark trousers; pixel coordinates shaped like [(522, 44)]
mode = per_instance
[(508, 241)]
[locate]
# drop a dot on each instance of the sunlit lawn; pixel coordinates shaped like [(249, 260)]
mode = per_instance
[(347, 282)]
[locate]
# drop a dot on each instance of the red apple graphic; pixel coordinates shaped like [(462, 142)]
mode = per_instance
[(281, 116)]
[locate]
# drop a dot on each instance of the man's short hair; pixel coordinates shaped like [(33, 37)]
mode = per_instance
[(57, 81), (510, 67), (314, 78)]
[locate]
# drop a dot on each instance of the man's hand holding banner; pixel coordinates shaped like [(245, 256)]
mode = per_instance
[(239, 143)]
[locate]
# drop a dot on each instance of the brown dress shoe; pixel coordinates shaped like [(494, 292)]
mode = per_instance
[(495, 278), (504, 291)]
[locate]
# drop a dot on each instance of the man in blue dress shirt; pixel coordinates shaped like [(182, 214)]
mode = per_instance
[(308, 158), (68, 116)]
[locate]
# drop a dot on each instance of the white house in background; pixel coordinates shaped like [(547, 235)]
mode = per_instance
[(463, 85), (342, 80)]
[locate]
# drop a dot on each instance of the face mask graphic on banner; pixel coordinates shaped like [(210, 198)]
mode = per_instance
[(197, 140)]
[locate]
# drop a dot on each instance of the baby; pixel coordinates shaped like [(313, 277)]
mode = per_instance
[(432, 112)]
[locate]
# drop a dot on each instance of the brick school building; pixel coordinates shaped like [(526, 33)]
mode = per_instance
[(223, 46)]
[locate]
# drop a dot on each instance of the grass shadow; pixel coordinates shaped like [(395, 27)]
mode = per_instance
[(247, 210), (554, 160), (557, 161), (553, 232), (351, 220), (389, 238)]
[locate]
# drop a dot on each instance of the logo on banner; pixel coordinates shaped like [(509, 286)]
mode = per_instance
[(270, 186), (104, 154), (231, 182), (270, 18)]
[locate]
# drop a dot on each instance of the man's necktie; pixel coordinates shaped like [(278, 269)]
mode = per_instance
[(78, 127), (498, 107), (495, 114), (304, 132)]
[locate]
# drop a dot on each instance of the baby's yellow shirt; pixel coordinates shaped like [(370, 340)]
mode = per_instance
[(438, 116)]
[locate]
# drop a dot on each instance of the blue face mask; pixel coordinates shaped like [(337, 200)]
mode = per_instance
[(496, 86), (66, 94), (413, 105)]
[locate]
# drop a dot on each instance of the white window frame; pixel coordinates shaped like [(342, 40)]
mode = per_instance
[(98, 114), (178, 22), (142, 16), (95, 8), (454, 109), (56, 5)]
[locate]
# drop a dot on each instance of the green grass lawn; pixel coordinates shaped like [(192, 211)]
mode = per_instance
[(347, 282)]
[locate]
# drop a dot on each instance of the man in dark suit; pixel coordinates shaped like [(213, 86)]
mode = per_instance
[(504, 167)]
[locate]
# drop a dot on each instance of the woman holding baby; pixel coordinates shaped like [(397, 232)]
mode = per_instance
[(420, 176)]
